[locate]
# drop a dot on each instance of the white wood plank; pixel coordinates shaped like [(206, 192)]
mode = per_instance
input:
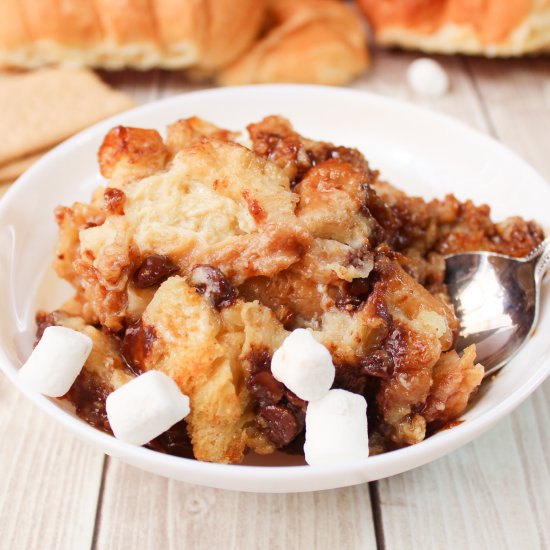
[(478, 497), (145, 87), (140, 510), (532, 438), (177, 82), (387, 76), (516, 97), (494, 493), (142, 86), (50, 481)]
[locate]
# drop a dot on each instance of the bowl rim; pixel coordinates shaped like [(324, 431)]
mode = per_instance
[(426, 451)]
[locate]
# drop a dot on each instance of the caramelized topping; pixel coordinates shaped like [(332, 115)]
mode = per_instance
[(378, 363), (114, 201)]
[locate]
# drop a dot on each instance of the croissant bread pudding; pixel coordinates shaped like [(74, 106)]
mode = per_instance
[(488, 27), (221, 265)]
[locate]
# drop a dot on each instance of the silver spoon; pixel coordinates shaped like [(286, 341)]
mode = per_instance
[(497, 301)]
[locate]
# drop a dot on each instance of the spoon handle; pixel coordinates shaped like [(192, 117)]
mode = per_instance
[(542, 253), (537, 251)]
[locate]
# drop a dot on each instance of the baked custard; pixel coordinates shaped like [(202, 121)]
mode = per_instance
[(201, 255)]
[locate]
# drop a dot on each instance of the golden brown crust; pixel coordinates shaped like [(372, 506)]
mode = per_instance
[(332, 203), (127, 21), (230, 28), (319, 41), (189, 131), (62, 22), (449, 26), (128, 154), (454, 380), (14, 32), (127, 33), (216, 203)]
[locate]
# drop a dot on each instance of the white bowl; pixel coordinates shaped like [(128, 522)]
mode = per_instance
[(418, 150)]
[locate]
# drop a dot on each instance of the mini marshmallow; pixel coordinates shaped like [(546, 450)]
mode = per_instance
[(303, 365), (427, 77), (336, 428), (56, 361), (146, 407)]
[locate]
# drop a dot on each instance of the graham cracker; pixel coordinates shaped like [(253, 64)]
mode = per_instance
[(42, 108)]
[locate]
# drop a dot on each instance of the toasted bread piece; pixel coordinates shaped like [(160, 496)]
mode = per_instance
[(205, 353)]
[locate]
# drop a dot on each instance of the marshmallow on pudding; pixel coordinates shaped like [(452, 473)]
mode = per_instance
[(56, 361), (146, 407), (336, 428), (427, 77), (304, 366)]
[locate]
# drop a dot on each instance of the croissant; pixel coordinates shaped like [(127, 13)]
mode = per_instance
[(127, 33), (319, 41), (487, 27)]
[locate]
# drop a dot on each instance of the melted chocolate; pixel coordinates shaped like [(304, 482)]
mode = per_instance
[(136, 345), (280, 413), (263, 387), (378, 364), (279, 423), (174, 441), (88, 395), (211, 282), (154, 270)]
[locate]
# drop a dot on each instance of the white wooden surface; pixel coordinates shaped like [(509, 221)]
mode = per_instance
[(494, 493)]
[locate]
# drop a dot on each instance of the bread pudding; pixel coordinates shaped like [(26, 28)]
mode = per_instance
[(204, 251)]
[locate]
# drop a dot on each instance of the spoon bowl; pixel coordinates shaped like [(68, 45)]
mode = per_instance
[(496, 300)]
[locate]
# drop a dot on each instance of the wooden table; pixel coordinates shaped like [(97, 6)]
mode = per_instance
[(58, 493)]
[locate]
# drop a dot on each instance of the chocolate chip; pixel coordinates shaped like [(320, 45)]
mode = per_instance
[(43, 321), (279, 424), (353, 294), (154, 270), (350, 377), (88, 395), (211, 282), (259, 359), (378, 364), (265, 388), (136, 345), (295, 400), (359, 287)]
